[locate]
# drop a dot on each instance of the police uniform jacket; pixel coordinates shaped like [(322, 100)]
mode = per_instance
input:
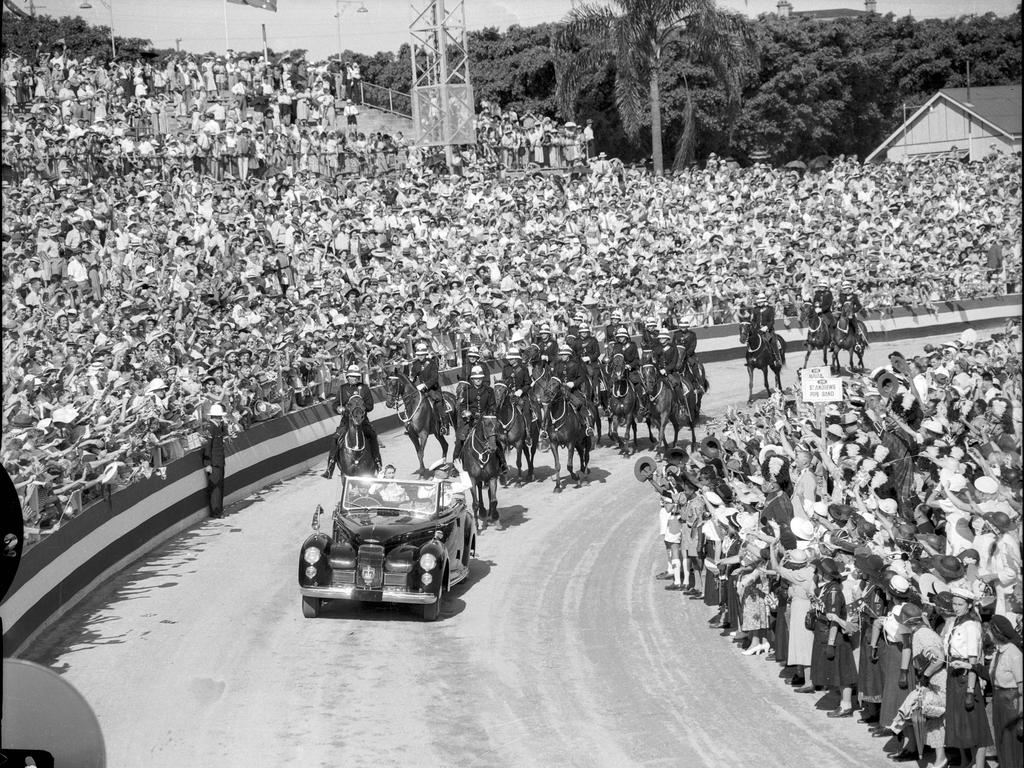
[(649, 338), (823, 299), (630, 354), (548, 349), (347, 391), (686, 340), (516, 377), (668, 358), (425, 372), (854, 299), (763, 316), (479, 400), (589, 348), (568, 370)]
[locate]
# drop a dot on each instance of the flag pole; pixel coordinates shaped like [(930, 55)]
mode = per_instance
[(227, 45)]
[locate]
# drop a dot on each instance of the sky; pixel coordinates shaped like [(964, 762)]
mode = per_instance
[(311, 24)]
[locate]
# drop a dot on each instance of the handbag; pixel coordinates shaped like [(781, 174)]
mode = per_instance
[(810, 620)]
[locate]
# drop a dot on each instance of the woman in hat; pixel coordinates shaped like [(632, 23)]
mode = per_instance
[(798, 576), (897, 679), (1007, 692), (929, 696), (872, 607), (832, 663), (752, 589), (967, 727)]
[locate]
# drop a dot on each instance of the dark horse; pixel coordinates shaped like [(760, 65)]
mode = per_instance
[(516, 429), (846, 335), (819, 333), (678, 406), (760, 356), (417, 412), (623, 403), (560, 425), (479, 458), (354, 456)]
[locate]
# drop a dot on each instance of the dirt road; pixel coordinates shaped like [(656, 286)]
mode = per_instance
[(560, 650)]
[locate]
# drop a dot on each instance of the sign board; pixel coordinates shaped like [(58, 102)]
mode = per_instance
[(821, 372), (827, 390)]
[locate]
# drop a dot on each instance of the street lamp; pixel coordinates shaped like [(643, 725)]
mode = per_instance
[(337, 14), (86, 5)]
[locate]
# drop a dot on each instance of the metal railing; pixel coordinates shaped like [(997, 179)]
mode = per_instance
[(377, 96)]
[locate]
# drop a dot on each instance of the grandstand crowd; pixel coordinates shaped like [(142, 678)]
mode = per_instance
[(144, 281), (872, 547)]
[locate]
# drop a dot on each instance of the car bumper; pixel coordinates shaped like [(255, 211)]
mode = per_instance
[(369, 595)]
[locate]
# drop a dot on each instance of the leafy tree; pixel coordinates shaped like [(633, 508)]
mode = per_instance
[(640, 37), (30, 36)]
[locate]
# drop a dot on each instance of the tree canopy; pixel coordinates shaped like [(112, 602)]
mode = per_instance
[(814, 87)]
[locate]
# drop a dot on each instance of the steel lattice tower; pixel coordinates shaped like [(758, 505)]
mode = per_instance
[(442, 97)]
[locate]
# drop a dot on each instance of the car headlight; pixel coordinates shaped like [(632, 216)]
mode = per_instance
[(426, 579), (311, 555), (428, 562), (310, 572)]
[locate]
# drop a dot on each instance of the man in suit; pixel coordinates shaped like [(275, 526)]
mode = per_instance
[(214, 459)]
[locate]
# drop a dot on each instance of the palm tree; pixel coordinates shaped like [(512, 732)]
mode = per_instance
[(639, 36)]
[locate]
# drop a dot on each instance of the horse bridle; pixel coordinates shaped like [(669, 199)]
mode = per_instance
[(551, 416), (401, 407)]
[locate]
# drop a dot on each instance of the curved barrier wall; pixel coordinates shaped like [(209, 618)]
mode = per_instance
[(108, 535)]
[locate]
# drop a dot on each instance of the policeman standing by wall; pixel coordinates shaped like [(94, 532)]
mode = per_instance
[(213, 459)]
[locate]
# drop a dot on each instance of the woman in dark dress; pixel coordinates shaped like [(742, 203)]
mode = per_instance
[(967, 726), (832, 663), (872, 606)]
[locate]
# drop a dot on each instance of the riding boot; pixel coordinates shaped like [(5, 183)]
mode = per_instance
[(329, 472)]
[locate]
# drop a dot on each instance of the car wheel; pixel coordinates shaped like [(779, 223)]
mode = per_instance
[(432, 611), (310, 607)]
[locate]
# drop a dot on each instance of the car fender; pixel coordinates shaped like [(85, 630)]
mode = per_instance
[(322, 542)]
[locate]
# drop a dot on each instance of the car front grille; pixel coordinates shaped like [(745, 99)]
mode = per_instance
[(370, 566)]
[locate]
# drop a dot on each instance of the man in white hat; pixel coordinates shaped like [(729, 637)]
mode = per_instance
[(424, 375), (848, 293), (354, 386), (477, 402), (763, 319), (569, 371), (214, 459)]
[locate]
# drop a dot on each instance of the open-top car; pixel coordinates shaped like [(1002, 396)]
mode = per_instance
[(398, 541)]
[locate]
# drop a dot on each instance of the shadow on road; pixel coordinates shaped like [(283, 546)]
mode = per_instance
[(89, 627), (512, 516)]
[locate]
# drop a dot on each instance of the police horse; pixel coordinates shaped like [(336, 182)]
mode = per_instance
[(560, 425), (354, 456), (516, 429), (623, 404), (846, 335), (759, 355), (418, 413), (819, 332), (479, 457)]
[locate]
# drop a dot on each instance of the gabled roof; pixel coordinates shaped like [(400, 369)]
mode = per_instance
[(1001, 105)]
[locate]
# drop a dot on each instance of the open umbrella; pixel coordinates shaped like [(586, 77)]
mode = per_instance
[(820, 163), (796, 165)]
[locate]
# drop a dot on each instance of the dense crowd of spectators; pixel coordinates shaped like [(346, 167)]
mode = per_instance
[(232, 117), (132, 303), (873, 548)]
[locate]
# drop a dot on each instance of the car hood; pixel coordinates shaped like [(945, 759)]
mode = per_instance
[(389, 531)]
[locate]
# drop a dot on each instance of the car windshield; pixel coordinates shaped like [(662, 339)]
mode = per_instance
[(400, 496)]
